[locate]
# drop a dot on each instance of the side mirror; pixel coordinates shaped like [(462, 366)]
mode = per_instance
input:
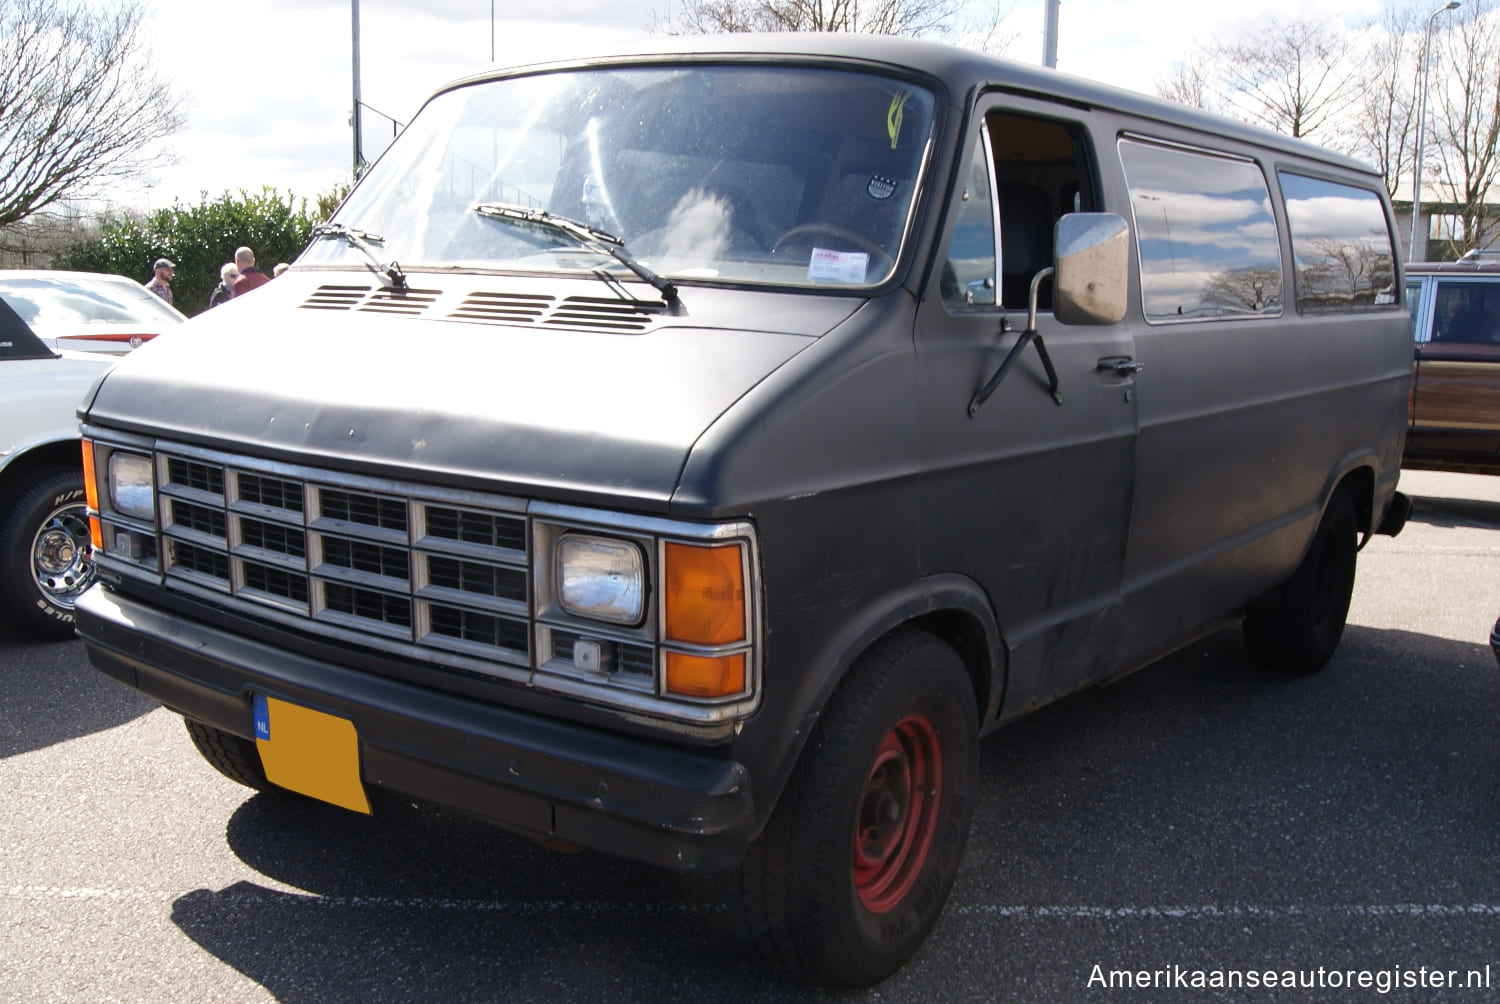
[(1093, 255)]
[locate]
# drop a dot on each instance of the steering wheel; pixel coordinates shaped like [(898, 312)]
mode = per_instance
[(842, 235)]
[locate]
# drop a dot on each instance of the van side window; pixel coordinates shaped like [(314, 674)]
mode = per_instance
[(1042, 170), (1341, 245), (1207, 237), (1467, 312), (969, 273)]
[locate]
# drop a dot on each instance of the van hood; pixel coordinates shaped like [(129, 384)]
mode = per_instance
[(567, 409)]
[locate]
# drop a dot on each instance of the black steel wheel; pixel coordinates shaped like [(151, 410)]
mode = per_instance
[(857, 860), (1298, 635)]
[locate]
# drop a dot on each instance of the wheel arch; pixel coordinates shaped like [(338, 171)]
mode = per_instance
[(1359, 479), (953, 608), (25, 466)]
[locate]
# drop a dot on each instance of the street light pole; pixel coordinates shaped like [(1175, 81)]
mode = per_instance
[(354, 120), (1416, 170), (1049, 33)]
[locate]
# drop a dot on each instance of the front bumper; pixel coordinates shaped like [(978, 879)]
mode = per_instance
[(648, 801)]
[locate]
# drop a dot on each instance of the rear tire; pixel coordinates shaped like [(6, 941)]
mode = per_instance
[(1299, 634), (235, 758), (46, 558), (858, 857)]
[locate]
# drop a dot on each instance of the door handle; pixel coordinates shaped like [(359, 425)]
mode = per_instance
[(1120, 365)]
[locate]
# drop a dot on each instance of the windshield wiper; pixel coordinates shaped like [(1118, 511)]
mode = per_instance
[(361, 240), (585, 235)]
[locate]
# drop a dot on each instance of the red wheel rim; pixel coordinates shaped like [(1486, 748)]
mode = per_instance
[(898, 813)]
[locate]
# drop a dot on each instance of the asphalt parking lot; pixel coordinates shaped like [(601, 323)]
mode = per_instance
[(1197, 817)]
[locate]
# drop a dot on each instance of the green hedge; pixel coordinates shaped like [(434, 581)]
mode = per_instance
[(199, 239)]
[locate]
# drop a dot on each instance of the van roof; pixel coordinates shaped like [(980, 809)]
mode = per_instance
[(959, 70)]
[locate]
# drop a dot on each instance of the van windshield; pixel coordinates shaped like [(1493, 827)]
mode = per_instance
[(790, 175)]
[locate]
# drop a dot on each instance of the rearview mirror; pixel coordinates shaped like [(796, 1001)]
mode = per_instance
[(1092, 268)]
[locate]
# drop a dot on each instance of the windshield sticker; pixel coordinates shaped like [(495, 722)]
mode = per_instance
[(894, 114), (837, 266), (880, 187)]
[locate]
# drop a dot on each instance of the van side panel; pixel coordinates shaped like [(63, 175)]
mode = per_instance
[(1246, 423)]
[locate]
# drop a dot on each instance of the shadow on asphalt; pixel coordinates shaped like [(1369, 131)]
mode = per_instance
[(50, 694), (1199, 780), (418, 903), (1456, 512)]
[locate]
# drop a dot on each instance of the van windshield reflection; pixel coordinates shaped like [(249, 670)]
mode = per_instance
[(785, 175)]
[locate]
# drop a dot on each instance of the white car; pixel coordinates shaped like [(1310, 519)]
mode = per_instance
[(87, 311), (45, 558)]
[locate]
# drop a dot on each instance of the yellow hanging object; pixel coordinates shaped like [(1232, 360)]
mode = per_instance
[(893, 115)]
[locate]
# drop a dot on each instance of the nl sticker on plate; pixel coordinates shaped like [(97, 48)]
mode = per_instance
[(837, 266)]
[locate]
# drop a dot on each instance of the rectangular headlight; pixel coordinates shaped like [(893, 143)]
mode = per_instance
[(601, 578), (130, 489)]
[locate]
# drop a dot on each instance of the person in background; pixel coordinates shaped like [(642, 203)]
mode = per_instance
[(224, 291), (161, 282), (250, 276), (280, 268)]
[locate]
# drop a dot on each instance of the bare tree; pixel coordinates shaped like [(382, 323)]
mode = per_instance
[(1465, 108), (1191, 82), (1293, 77), (79, 105), (871, 17), (983, 28), (1384, 124)]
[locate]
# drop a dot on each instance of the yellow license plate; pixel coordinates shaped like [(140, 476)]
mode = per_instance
[(309, 752)]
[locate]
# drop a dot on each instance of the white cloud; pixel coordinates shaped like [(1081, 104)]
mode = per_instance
[(267, 84)]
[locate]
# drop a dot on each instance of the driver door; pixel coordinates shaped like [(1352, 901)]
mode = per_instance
[(1030, 497)]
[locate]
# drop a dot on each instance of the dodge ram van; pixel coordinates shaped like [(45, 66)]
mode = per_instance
[(691, 454)]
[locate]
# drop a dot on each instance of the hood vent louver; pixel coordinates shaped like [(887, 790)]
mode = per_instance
[(600, 312), (405, 302), (336, 297), (588, 313), (503, 308)]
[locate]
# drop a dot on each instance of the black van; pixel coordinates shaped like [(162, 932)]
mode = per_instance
[(689, 455)]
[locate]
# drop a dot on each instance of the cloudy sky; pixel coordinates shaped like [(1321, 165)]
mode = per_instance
[(267, 84)]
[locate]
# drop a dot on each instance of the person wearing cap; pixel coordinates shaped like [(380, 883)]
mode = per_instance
[(161, 283)]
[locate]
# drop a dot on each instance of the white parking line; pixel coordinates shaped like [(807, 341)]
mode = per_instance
[(1218, 912), (261, 895)]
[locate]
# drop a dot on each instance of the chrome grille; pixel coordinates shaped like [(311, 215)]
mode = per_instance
[(475, 528), (273, 492), (412, 566), (199, 477)]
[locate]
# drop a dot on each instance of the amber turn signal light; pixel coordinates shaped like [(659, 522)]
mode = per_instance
[(91, 496), (705, 676), (704, 593)]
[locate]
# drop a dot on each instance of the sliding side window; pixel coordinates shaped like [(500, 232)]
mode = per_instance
[(1341, 245), (1207, 236)]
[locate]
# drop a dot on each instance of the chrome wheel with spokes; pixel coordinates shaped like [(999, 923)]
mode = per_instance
[(46, 559)]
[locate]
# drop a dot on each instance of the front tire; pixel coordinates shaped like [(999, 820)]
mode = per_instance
[(1299, 634), (46, 553), (235, 758), (858, 857)]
